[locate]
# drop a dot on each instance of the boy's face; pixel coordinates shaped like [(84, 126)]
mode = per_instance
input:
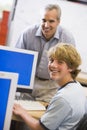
[(59, 71), (49, 23)]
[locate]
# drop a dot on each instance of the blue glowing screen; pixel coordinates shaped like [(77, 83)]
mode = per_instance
[(17, 62), (4, 94)]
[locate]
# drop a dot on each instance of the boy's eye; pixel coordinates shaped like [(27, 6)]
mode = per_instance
[(60, 62), (51, 60)]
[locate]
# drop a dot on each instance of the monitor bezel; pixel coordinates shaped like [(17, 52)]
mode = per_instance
[(13, 77), (24, 88)]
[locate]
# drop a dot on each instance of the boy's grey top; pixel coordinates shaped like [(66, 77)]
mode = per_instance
[(66, 108)]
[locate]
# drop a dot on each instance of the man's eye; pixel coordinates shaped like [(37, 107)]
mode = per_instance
[(43, 20), (51, 21)]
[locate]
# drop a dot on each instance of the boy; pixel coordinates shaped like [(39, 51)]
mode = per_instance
[(67, 107)]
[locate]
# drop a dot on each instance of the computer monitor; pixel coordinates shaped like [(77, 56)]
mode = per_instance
[(22, 62), (8, 84)]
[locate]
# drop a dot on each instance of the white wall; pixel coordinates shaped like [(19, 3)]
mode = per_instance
[(5, 5), (74, 17)]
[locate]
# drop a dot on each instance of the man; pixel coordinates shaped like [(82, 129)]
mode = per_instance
[(67, 107), (40, 38)]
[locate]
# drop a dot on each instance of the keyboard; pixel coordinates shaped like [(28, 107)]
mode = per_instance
[(30, 104)]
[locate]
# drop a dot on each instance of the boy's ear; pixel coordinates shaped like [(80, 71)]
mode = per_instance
[(70, 70)]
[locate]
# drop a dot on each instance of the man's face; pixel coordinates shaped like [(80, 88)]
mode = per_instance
[(49, 23)]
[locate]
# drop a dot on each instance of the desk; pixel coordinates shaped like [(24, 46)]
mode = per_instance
[(17, 122), (82, 78), (36, 114)]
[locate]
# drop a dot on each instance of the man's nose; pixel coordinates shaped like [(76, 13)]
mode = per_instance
[(46, 24)]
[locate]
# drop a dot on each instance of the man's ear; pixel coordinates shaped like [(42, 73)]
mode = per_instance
[(58, 21)]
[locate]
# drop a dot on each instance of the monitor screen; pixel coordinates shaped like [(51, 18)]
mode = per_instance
[(22, 62), (8, 84)]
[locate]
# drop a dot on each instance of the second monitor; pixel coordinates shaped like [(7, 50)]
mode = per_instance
[(22, 62)]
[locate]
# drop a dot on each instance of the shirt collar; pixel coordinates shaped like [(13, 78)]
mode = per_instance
[(39, 33), (67, 84), (57, 33)]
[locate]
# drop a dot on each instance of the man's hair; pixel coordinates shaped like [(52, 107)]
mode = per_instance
[(66, 52), (56, 7)]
